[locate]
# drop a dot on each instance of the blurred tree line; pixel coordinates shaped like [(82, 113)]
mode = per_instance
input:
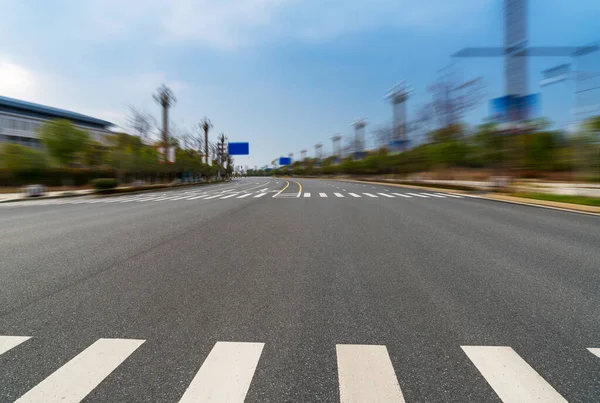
[(70, 156), (536, 152)]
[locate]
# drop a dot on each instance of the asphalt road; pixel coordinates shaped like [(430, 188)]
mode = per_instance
[(329, 291)]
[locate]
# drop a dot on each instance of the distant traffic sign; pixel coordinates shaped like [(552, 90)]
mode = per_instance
[(238, 149), (285, 161)]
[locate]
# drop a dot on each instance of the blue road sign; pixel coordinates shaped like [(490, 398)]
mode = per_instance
[(285, 161), (512, 108), (238, 149)]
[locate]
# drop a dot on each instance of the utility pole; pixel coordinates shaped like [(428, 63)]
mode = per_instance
[(206, 125), (165, 98), (398, 96), (221, 149), (335, 146), (318, 153), (359, 137), (516, 53)]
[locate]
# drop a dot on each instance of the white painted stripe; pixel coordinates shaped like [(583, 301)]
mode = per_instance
[(385, 194), (370, 195), (226, 374), (513, 380), (182, 197), (197, 197), (417, 194), (354, 195), (366, 374), (595, 351), (323, 194), (451, 195), (244, 195), (435, 195), (10, 342), (306, 194), (228, 196), (260, 195), (339, 194), (77, 378), (401, 195), (212, 197)]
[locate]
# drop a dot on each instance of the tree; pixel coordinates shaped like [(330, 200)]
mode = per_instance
[(453, 99), (205, 124), (165, 98), (64, 140), (141, 123), (17, 158)]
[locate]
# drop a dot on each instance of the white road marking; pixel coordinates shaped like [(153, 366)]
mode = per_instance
[(212, 197), (385, 194), (226, 374), (366, 374), (418, 195), (323, 194), (260, 195), (354, 195), (451, 195), (10, 342), (401, 195), (595, 351), (435, 195), (228, 196), (370, 195), (513, 380), (77, 378), (339, 194), (244, 195), (306, 194), (197, 197)]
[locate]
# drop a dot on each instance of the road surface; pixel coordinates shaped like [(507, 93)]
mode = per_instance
[(274, 290)]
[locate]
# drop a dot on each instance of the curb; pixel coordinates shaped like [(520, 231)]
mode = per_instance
[(46, 197), (567, 207), (93, 194)]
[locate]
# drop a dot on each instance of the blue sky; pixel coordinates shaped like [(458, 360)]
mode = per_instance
[(281, 74)]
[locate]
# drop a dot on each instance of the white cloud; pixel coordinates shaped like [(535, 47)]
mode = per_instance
[(227, 24), (16, 81)]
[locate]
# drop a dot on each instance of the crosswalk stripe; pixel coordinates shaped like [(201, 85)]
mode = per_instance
[(77, 378), (197, 197), (10, 342), (595, 351), (226, 374), (451, 195), (513, 380), (354, 195), (370, 195), (401, 195), (244, 195), (435, 195), (366, 374), (228, 196), (306, 194), (385, 194), (323, 194), (339, 194), (260, 195), (212, 197), (418, 195)]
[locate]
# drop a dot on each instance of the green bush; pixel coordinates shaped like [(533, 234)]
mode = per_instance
[(104, 183)]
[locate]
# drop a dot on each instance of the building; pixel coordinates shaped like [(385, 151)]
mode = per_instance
[(20, 121)]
